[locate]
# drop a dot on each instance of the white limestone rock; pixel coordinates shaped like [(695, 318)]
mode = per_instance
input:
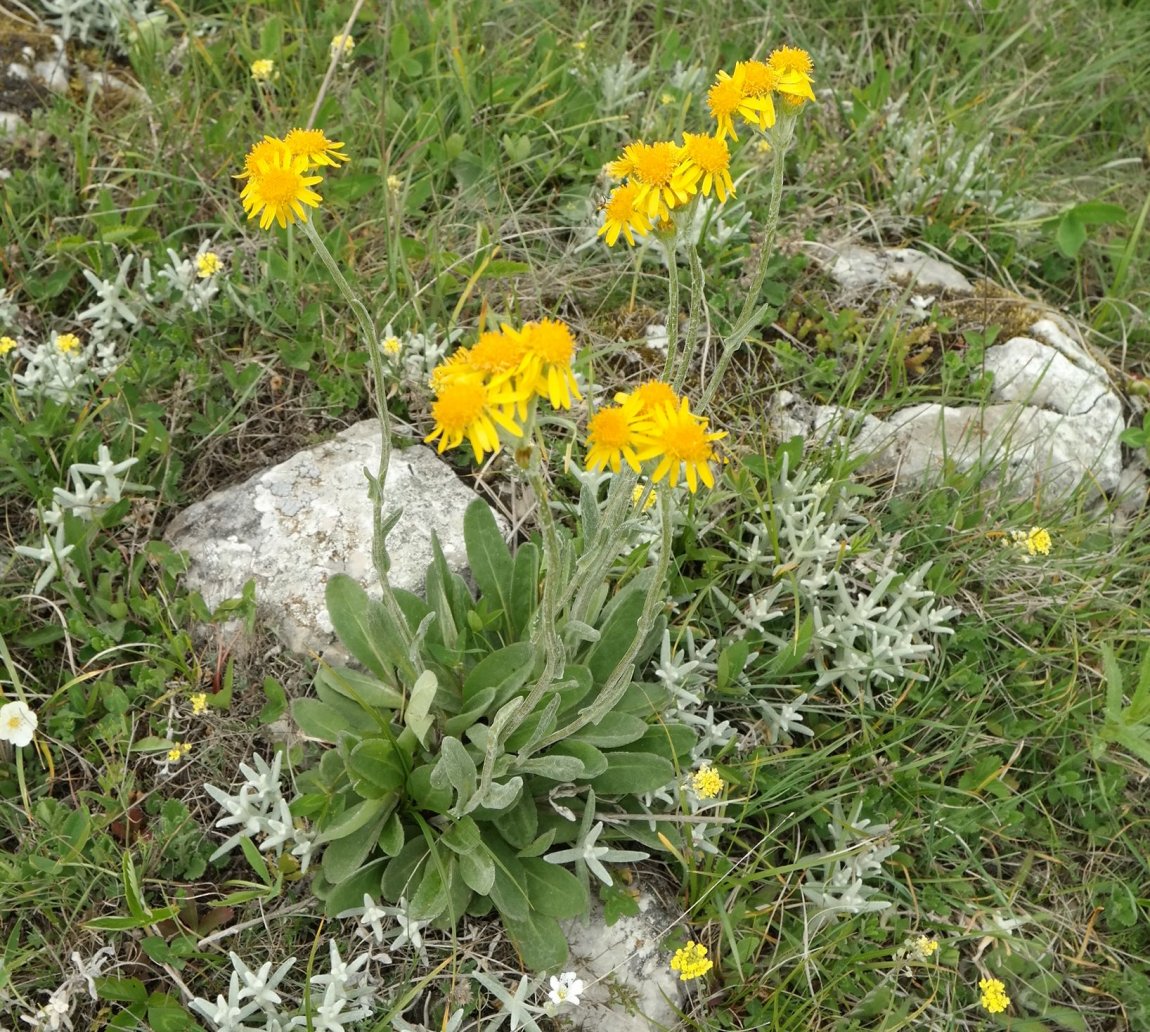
[(1052, 422), (294, 525), (630, 985), (860, 270)]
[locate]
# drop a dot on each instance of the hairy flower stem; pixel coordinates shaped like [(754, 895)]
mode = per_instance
[(692, 342), (751, 312), (591, 571), (619, 680), (379, 555), (672, 304), (547, 627)]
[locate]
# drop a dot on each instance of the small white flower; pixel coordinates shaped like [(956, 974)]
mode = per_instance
[(259, 986), (93, 967), (110, 472), (17, 723), (566, 988), (371, 917)]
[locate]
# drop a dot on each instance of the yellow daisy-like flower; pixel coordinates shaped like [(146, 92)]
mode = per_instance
[(620, 215), (68, 343), (278, 187), (314, 145), (691, 961), (546, 366), (467, 408), (993, 997), (455, 368), (760, 81), (678, 438), (706, 158), (199, 701), (7, 344), (652, 395), (207, 264), (707, 782), (613, 434), (653, 170), (497, 354), (264, 70), (729, 97), (260, 154), (794, 67)]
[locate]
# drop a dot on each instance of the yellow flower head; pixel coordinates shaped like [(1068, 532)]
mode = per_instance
[(455, 368), (620, 215), (613, 434), (924, 947), (993, 997), (263, 70), (394, 184), (691, 961), (760, 81), (207, 264), (652, 395), (68, 343), (7, 344), (546, 366), (1036, 541), (260, 154), (653, 167), (314, 145), (178, 751), (794, 68), (729, 97), (678, 438), (342, 45), (637, 493), (497, 353), (707, 783), (467, 408), (392, 346), (706, 158), (199, 701), (278, 187)]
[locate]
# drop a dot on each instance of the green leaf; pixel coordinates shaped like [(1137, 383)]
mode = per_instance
[(539, 939), (488, 556), (554, 766), (463, 836), (553, 890), (401, 873), (417, 715), (478, 870), (526, 581), (1070, 234), (376, 769), (509, 890), (519, 824), (431, 897), (365, 689), (614, 729), (364, 626), (355, 817), (632, 773), (479, 706), (506, 670), (499, 795), (344, 856), (673, 742), (392, 836), (276, 703), (456, 769), (424, 794), (322, 721), (593, 760), (1099, 213), (618, 627)]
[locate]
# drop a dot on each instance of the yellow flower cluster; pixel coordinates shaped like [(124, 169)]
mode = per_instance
[(178, 751), (278, 184), (485, 387), (1036, 541), (653, 423), (691, 961), (994, 997), (662, 176), (7, 344), (707, 782), (68, 343)]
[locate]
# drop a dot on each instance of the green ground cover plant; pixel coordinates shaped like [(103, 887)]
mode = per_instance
[(884, 752)]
